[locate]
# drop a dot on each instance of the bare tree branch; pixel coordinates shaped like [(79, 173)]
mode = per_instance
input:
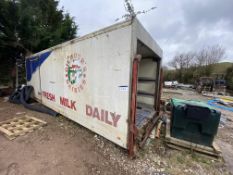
[(210, 55)]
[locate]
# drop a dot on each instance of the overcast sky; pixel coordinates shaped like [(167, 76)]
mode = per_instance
[(176, 25)]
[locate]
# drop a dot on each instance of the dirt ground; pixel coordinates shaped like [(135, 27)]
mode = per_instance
[(64, 147)]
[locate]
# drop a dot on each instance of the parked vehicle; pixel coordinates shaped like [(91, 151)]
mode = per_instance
[(171, 84)]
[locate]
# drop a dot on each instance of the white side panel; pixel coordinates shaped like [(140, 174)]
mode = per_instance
[(89, 81)]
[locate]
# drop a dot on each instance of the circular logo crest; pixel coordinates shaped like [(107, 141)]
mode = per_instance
[(75, 72)]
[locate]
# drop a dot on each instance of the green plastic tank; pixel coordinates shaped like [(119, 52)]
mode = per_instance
[(194, 121)]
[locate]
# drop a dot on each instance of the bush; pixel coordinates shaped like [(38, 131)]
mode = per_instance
[(229, 78)]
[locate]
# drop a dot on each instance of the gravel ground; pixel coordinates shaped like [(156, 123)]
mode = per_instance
[(64, 147)]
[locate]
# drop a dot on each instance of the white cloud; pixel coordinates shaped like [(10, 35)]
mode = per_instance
[(177, 26)]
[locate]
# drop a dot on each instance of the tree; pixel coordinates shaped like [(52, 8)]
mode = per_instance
[(189, 59), (28, 26), (209, 56), (199, 63), (9, 49), (43, 25), (229, 77), (182, 62), (215, 54)]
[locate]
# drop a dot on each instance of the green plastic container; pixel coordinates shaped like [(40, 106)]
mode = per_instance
[(194, 121)]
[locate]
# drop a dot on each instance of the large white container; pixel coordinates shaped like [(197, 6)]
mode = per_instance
[(90, 79)]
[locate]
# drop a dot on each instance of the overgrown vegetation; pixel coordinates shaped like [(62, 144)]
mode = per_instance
[(28, 26), (229, 77), (187, 67)]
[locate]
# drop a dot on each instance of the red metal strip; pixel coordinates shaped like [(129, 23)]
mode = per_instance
[(131, 141), (160, 92)]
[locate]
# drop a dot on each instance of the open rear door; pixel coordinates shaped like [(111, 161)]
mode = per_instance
[(148, 94), (145, 94)]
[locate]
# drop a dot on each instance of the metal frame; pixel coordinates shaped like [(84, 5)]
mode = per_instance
[(133, 108), (157, 96)]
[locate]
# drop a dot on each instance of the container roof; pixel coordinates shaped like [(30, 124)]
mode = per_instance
[(146, 39)]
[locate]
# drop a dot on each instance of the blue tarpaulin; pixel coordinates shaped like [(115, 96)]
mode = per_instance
[(215, 103)]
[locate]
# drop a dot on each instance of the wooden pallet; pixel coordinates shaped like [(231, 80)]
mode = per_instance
[(20, 126), (179, 144)]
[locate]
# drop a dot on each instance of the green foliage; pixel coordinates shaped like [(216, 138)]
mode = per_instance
[(189, 75), (8, 21), (28, 26), (183, 76), (42, 25), (229, 77), (221, 67), (169, 75)]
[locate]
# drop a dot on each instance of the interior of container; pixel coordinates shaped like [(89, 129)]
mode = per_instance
[(147, 88)]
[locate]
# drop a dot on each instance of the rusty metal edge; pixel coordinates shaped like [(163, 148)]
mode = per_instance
[(160, 92), (149, 128), (133, 107)]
